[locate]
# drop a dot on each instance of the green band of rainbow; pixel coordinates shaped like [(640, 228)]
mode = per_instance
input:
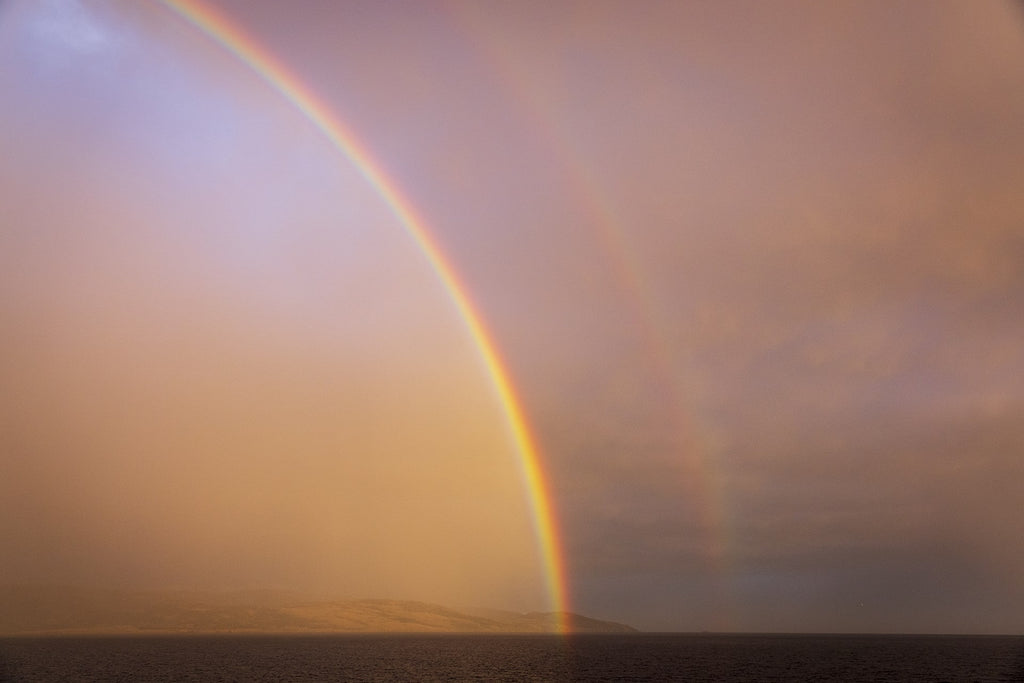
[(224, 32)]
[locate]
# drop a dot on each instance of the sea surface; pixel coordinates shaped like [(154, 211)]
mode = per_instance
[(641, 657)]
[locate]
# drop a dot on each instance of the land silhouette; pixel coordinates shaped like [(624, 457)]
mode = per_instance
[(46, 610)]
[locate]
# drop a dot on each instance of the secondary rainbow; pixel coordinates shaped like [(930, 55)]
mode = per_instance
[(609, 223), (222, 30)]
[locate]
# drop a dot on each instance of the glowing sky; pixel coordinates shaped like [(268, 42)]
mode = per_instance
[(756, 271)]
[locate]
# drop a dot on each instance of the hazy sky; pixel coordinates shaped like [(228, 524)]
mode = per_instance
[(756, 270)]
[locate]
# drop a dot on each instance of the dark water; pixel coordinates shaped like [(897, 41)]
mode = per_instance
[(644, 657)]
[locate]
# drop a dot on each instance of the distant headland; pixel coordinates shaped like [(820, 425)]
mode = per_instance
[(39, 610)]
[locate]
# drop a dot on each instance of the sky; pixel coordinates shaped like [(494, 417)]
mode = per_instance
[(755, 271)]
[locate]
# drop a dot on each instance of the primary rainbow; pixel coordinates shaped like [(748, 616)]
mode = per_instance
[(221, 29)]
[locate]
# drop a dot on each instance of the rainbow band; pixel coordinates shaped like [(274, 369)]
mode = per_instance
[(220, 29)]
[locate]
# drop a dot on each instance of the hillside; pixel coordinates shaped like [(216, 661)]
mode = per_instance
[(47, 610)]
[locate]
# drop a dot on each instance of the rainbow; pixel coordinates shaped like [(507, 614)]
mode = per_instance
[(223, 31)]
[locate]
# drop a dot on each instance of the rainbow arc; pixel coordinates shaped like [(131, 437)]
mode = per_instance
[(226, 33)]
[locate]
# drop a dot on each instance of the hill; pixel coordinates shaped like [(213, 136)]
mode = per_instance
[(52, 611)]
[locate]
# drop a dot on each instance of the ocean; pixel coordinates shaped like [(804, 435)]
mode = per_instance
[(640, 657)]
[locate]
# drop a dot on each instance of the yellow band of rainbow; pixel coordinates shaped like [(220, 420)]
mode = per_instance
[(227, 34)]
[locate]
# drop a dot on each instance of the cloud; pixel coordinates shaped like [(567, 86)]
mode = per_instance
[(755, 272), (71, 26)]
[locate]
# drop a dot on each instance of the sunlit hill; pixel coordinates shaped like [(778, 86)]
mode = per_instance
[(70, 611)]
